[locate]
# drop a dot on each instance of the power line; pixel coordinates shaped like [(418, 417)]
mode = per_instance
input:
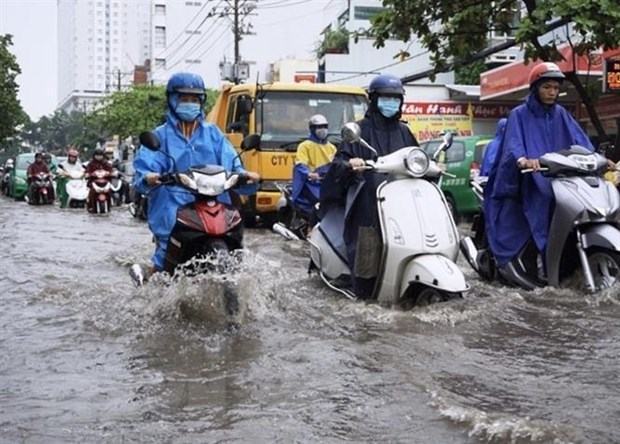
[(373, 71), (281, 4), (209, 14), (202, 39), (182, 32)]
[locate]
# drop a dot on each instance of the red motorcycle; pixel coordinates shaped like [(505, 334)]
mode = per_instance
[(205, 226), (41, 191), (100, 194)]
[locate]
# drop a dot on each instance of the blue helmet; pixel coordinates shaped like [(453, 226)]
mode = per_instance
[(186, 83), (386, 84)]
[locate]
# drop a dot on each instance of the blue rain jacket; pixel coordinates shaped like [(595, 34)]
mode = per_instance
[(492, 148), (207, 146), (519, 206), (306, 193)]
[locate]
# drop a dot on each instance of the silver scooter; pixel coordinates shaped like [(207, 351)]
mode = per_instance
[(420, 242), (584, 230)]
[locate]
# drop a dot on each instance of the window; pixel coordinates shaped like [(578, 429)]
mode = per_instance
[(160, 36), (285, 115), (160, 9), (160, 63), (366, 12)]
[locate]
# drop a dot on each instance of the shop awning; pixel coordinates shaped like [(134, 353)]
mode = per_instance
[(510, 82), (464, 91)]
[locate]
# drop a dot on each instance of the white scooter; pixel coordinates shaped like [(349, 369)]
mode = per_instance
[(77, 189), (420, 242)]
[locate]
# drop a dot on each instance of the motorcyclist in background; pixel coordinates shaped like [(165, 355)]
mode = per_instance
[(383, 130), (6, 174), (490, 153), (39, 166), (186, 140), (65, 170), (47, 157), (518, 207), (117, 167), (312, 160), (97, 162)]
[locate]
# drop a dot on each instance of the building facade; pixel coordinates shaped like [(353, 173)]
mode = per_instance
[(359, 62), (99, 43), (184, 36)]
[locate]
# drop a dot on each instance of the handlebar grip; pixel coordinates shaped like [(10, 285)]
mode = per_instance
[(531, 170)]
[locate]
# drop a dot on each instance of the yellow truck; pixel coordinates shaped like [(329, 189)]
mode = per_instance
[(273, 120)]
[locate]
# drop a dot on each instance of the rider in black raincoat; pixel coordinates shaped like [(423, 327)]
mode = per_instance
[(346, 184)]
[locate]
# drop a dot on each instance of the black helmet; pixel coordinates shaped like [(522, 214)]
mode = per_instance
[(386, 84)]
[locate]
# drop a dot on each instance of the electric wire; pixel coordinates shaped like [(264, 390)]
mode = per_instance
[(180, 33), (209, 14)]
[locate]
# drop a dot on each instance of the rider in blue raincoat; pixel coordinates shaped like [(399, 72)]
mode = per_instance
[(190, 141), (493, 147), (312, 161), (518, 207), (348, 183)]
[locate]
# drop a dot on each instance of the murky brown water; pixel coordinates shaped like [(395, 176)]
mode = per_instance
[(85, 357)]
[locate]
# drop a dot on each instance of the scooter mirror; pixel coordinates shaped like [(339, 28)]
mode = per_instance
[(351, 132), (150, 140), (447, 140), (251, 142)]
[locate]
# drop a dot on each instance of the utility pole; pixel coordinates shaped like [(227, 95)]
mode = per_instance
[(118, 79), (236, 31), (237, 11)]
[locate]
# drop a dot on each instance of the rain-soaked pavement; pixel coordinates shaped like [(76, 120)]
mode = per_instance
[(85, 357)]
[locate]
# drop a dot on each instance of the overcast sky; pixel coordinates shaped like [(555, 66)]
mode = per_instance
[(290, 29)]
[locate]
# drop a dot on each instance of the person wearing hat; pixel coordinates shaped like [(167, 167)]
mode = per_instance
[(312, 160), (186, 140), (382, 129), (66, 169), (518, 207)]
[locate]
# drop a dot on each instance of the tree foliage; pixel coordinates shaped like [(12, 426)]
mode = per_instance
[(59, 130), (453, 31), (11, 112), (128, 113), (456, 30)]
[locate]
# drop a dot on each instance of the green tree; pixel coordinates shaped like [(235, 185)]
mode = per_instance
[(128, 113), (452, 30), (11, 112)]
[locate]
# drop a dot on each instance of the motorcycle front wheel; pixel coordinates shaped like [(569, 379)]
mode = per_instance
[(605, 266), (422, 296)]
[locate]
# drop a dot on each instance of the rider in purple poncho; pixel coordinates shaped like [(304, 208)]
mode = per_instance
[(517, 206)]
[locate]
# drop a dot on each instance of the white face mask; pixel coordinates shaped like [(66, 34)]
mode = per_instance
[(321, 133)]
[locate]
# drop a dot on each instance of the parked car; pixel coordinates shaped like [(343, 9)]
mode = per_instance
[(463, 159), (18, 185)]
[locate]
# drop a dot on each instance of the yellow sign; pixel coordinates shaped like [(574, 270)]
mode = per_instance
[(429, 126)]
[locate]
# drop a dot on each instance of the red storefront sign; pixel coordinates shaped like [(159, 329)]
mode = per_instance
[(474, 110), (514, 76)]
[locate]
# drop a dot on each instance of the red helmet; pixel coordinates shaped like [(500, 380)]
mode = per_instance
[(72, 152), (546, 70)]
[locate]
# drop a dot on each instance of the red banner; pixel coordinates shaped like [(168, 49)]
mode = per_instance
[(514, 76)]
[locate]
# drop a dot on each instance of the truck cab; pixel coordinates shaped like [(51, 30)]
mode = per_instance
[(274, 117)]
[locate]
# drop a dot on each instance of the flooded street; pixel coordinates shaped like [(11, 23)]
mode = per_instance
[(85, 357)]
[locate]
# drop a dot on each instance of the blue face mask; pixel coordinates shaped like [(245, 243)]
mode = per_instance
[(188, 111), (388, 106)]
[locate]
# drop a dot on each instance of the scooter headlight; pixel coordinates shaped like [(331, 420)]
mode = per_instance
[(417, 162)]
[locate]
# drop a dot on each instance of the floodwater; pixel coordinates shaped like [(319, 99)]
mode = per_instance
[(85, 357)]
